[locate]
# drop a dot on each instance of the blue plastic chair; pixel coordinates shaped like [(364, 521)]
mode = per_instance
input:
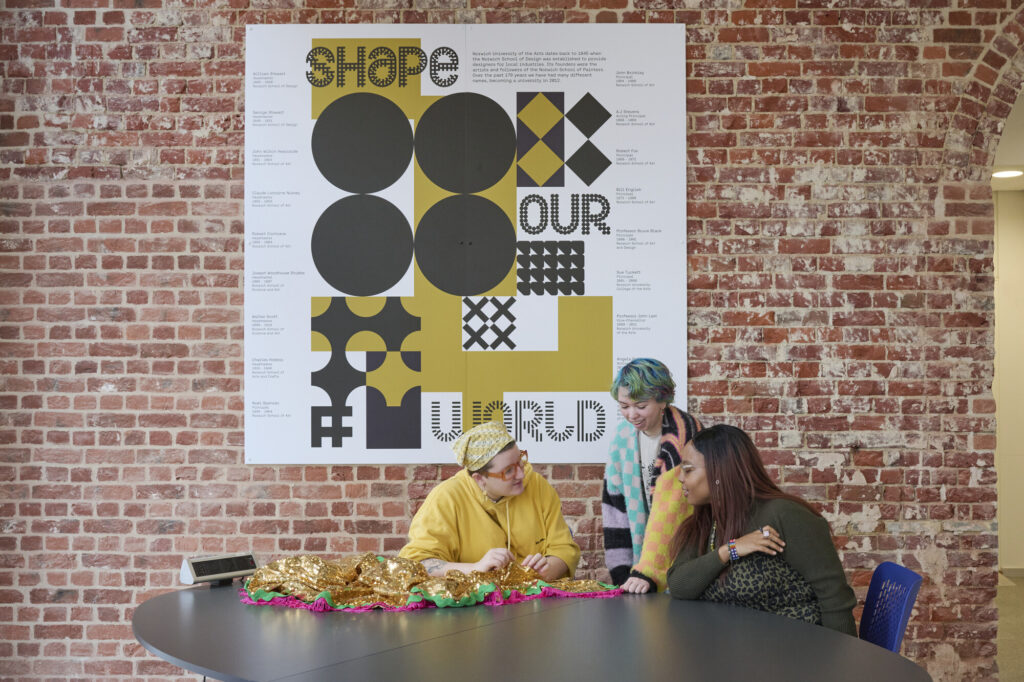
[(891, 597)]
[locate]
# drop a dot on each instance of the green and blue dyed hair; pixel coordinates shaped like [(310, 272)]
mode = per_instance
[(645, 379)]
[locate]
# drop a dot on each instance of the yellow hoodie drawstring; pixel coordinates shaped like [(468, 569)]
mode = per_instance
[(508, 520), (508, 529)]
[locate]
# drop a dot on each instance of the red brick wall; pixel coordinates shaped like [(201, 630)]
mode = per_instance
[(840, 301)]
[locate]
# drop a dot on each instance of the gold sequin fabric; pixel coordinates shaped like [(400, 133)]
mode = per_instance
[(367, 580)]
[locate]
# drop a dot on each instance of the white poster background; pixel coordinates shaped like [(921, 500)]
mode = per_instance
[(635, 71)]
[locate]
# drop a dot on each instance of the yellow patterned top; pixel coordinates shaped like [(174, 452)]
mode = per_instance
[(668, 509)]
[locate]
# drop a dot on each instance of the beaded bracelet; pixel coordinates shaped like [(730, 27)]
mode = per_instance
[(733, 554)]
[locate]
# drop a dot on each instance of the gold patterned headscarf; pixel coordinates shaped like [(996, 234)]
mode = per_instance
[(478, 446)]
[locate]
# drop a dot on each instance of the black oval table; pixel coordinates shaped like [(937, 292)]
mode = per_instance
[(208, 630)]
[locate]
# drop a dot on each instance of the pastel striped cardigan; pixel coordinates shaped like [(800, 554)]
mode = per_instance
[(624, 508)]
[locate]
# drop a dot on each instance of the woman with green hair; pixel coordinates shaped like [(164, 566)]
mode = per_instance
[(645, 445)]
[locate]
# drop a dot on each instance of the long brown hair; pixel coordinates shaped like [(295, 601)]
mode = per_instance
[(736, 477)]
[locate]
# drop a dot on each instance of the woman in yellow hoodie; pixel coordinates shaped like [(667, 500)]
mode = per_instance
[(495, 511)]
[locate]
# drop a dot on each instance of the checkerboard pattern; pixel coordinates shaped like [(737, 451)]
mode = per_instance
[(668, 509)]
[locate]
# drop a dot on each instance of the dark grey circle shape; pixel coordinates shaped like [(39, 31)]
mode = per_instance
[(465, 245), (362, 142), (362, 245), (465, 142)]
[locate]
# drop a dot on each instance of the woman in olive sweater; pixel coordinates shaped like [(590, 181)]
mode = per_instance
[(750, 544)]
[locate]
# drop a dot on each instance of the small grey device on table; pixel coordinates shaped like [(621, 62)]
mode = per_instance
[(220, 569)]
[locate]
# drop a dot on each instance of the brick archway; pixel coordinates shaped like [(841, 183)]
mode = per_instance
[(992, 83), (991, 86)]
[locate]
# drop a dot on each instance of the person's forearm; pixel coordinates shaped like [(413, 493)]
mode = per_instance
[(668, 509), (556, 569), (688, 578), (437, 568)]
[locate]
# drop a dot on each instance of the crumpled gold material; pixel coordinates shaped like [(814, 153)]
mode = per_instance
[(306, 576), (365, 580)]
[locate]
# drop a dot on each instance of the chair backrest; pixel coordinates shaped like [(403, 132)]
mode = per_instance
[(891, 596)]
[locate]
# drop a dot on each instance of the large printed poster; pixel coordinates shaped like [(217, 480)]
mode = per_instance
[(450, 224)]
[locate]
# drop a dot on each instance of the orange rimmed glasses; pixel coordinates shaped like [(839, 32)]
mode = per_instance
[(509, 472)]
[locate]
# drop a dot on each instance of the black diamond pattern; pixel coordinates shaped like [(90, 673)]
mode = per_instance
[(588, 115), (588, 163)]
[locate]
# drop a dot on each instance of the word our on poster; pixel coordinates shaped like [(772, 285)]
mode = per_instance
[(446, 225)]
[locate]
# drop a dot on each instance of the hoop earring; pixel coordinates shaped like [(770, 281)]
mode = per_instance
[(717, 482)]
